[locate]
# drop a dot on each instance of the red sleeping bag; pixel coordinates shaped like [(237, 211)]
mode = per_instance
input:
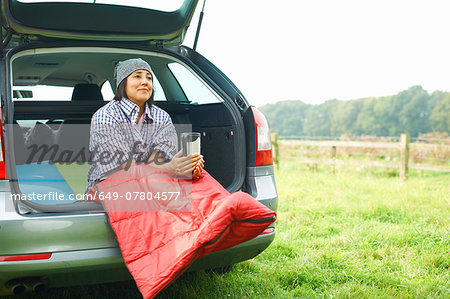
[(160, 236)]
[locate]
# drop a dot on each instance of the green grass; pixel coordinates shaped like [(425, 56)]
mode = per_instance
[(362, 233), (341, 233)]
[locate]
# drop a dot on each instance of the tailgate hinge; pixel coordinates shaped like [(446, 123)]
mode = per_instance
[(5, 40)]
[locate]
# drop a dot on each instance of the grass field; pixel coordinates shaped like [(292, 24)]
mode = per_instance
[(341, 233)]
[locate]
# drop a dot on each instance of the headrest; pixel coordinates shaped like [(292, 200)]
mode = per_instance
[(87, 92)]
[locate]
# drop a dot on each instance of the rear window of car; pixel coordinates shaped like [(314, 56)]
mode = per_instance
[(62, 93), (108, 92), (42, 93), (194, 89)]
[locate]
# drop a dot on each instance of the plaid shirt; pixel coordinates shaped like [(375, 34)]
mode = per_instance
[(115, 137)]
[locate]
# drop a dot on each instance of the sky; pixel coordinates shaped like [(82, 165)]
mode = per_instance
[(318, 50)]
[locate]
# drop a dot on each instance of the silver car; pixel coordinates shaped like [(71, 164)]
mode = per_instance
[(57, 67)]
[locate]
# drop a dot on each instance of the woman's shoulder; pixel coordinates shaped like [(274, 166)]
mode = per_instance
[(160, 115), (108, 114)]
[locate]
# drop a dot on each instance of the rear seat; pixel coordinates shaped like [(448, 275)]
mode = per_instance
[(73, 134), (87, 92)]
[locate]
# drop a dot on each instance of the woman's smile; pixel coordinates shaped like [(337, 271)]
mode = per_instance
[(139, 87)]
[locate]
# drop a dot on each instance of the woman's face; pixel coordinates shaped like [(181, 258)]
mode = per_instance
[(139, 87)]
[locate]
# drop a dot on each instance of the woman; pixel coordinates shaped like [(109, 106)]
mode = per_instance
[(202, 217), (131, 130)]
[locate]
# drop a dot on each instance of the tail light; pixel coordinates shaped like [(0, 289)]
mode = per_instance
[(25, 257), (263, 142), (2, 151)]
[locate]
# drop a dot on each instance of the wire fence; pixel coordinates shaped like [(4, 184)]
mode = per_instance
[(367, 137), (390, 151)]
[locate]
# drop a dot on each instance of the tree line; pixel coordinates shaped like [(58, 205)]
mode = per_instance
[(413, 111)]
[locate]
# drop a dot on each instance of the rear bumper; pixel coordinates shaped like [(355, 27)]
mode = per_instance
[(83, 267), (236, 254), (68, 269)]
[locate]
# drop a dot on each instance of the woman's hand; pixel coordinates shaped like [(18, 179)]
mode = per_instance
[(189, 166), (198, 169), (186, 165)]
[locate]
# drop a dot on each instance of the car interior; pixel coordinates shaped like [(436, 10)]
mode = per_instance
[(45, 116)]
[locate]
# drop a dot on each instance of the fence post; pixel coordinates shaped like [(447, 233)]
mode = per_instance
[(404, 155), (333, 152), (275, 153)]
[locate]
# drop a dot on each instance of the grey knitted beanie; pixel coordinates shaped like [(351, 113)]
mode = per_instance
[(125, 68)]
